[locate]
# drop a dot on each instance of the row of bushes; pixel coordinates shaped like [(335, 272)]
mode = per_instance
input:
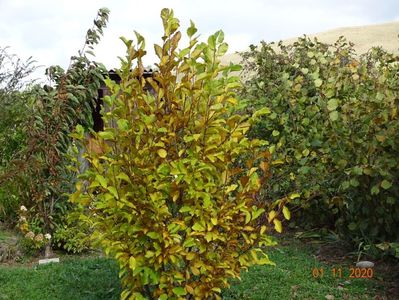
[(333, 131)]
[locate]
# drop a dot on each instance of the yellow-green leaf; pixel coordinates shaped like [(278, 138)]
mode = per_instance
[(113, 191), (294, 195), (123, 124), (198, 227), (101, 180), (247, 217), (179, 291), (257, 213), (332, 104), (132, 263), (106, 135), (272, 215), (286, 213), (123, 176), (333, 115), (277, 225), (162, 153), (318, 82)]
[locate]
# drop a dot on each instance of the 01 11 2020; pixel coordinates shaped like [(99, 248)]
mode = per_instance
[(339, 272)]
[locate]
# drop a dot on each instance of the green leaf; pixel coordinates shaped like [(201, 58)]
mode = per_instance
[(106, 135), (247, 216), (163, 169), (352, 226), (354, 182), (202, 76), (101, 180), (179, 291), (261, 112), (184, 52), (190, 242), (191, 30), (123, 124), (207, 201), (113, 191), (305, 152), (132, 263), (220, 36), (257, 213), (153, 235), (332, 104), (123, 176), (162, 129), (235, 68), (375, 190), (184, 209), (318, 82), (80, 130), (198, 227), (222, 49), (385, 184), (138, 296), (212, 42), (333, 115)]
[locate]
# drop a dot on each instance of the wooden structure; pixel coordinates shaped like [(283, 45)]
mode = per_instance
[(103, 91)]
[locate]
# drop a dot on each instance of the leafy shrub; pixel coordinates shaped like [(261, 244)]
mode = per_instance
[(164, 195), (74, 235), (334, 133), (14, 110)]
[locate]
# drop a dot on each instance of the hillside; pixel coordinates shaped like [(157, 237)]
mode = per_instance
[(364, 37)]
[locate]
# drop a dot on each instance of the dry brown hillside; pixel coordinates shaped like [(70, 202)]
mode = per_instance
[(364, 37)]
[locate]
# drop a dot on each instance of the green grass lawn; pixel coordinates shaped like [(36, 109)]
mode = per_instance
[(97, 278)]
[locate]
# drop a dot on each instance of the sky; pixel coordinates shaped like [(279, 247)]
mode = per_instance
[(51, 31)]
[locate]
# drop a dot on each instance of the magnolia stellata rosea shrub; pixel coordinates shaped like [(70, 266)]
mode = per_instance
[(165, 196)]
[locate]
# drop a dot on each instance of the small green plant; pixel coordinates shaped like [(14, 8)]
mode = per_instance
[(165, 195)]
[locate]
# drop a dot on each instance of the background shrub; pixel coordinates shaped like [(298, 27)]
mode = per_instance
[(333, 132), (15, 97)]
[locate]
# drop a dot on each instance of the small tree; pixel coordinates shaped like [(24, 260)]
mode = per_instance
[(41, 167), (165, 195)]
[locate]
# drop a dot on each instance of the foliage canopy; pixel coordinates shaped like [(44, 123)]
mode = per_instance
[(334, 133), (165, 195)]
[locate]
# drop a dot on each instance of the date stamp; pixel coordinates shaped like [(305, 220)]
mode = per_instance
[(341, 272)]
